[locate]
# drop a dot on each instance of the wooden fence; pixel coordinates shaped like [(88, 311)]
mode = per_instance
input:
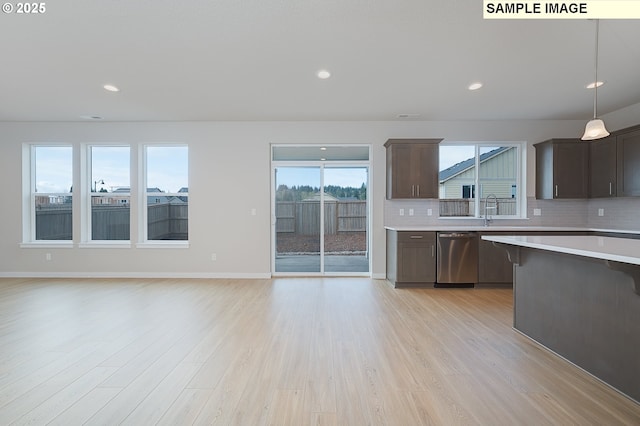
[(303, 217), (54, 222), (112, 222), (466, 207), (168, 222)]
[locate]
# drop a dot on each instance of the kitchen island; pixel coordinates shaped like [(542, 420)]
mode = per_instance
[(579, 296)]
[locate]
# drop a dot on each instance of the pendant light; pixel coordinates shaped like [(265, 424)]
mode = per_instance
[(595, 128)]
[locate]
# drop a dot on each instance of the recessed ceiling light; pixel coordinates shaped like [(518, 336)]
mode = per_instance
[(475, 86), (323, 159), (594, 84), (324, 148), (111, 88), (323, 74)]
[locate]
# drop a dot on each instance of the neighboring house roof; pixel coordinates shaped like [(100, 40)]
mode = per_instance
[(465, 165)]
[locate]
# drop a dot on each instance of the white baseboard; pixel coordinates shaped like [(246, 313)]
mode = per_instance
[(220, 275)]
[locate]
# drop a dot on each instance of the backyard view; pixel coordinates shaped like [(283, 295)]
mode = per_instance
[(298, 219)]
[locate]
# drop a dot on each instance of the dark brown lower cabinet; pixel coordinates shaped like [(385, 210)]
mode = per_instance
[(494, 266), (411, 258)]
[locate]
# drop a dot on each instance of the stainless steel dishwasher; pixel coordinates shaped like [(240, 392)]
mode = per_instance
[(457, 257)]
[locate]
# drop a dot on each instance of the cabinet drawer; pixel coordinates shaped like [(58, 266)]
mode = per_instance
[(406, 236)]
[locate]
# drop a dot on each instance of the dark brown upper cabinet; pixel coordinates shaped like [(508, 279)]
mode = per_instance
[(412, 168), (628, 153), (562, 169), (602, 168)]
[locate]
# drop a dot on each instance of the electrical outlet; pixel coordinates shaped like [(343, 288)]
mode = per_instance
[(47, 256), (600, 212), (401, 212), (537, 212), (214, 257), (410, 212), (429, 212), (253, 212)]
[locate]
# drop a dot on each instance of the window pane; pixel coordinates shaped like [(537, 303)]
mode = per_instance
[(168, 168), (498, 179), (110, 185), (457, 180), (54, 169), (167, 193), (53, 186)]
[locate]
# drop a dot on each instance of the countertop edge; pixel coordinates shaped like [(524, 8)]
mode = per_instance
[(506, 229), (605, 248)]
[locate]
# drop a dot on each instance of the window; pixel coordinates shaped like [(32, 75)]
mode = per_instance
[(51, 193), (167, 193), (468, 191), (494, 169), (110, 193)]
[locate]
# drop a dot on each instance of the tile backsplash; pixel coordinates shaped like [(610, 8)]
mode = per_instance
[(618, 213)]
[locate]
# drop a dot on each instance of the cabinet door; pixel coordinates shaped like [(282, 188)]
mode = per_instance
[(571, 170), (414, 263), (427, 168), (416, 257), (602, 179), (494, 265), (628, 147), (402, 172)]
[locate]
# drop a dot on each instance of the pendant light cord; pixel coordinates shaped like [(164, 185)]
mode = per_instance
[(595, 87)]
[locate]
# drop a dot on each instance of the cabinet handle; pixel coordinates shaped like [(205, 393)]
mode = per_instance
[(413, 190), (610, 189), (433, 251), (416, 237), (556, 190), (418, 191)]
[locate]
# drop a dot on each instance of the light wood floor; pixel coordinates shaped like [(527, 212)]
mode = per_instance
[(330, 351)]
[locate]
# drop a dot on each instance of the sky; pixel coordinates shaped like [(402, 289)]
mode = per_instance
[(454, 154), (450, 155), (167, 168)]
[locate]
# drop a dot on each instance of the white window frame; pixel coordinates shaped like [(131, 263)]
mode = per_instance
[(521, 178), (86, 185), (142, 193), (29, 196)]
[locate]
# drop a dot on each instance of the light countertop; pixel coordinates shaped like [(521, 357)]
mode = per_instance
[(480, 228), (504, 228), (623, 250)]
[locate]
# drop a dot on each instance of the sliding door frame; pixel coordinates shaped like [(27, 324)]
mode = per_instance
[(321, 165)]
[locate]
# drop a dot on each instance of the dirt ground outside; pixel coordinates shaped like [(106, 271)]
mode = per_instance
[(342, 243)]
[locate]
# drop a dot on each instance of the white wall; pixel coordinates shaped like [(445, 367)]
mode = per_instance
[(221, 153)]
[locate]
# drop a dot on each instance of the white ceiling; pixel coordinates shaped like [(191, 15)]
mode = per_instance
[(257, 59)]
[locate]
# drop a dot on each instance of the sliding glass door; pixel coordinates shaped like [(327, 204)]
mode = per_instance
[(298, 219), (320, 212), (345, 224)]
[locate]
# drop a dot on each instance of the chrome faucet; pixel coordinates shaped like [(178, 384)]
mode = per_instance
[(487, 218)]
